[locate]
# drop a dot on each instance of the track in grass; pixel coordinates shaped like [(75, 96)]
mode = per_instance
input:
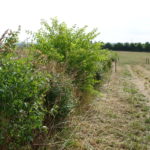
[(119, 120), (140, 81)]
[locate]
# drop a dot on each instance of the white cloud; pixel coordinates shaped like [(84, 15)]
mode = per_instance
[(117, 20)]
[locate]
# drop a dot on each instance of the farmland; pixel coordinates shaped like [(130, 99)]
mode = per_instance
[(133, 58), (63, 91), (120, 118)]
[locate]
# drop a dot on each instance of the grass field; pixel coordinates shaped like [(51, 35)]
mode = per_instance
[(133, 57)]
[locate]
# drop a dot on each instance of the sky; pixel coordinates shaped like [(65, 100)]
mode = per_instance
[(116, 20)]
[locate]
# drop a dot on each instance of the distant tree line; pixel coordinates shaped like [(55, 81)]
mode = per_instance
[(137, 47)]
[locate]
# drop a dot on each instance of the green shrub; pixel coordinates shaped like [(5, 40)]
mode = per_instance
[(34, 94), (85, 65), (84, 59), (30, 95), (60, 97), (21, 102), (57, 40)]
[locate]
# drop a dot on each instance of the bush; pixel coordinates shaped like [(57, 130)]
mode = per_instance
[(60, 97), (21, 102), (29, 100), (57, 40), (85, 65), (75, 48), (35, 89)]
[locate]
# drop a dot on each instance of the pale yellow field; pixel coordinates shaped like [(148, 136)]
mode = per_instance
[(133, 57)]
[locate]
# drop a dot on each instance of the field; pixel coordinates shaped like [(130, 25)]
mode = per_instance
[(133, 58), (120, 118)]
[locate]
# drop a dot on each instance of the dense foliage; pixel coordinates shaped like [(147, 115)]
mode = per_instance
[(137, 47), (41, 85), (75, 48), (21, 99), (30, 96)]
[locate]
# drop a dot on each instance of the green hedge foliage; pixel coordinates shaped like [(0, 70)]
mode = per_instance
[(21, 101), (74, 47), (38, 86)]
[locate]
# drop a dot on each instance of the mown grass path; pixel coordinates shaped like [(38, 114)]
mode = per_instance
[(119, 120), (140, 80)]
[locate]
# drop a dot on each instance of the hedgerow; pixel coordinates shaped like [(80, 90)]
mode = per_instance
[(73, 46), (29, 96), (40, 86), (21, 102)]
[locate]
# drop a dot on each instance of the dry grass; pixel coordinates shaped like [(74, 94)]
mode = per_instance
[(117, 121), (133, 58)]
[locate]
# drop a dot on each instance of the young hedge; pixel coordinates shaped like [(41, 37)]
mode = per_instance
[(74, 47), (21, 101), (29, 97), (34, 93)]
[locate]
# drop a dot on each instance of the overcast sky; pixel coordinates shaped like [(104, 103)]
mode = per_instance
[(116, 20)]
